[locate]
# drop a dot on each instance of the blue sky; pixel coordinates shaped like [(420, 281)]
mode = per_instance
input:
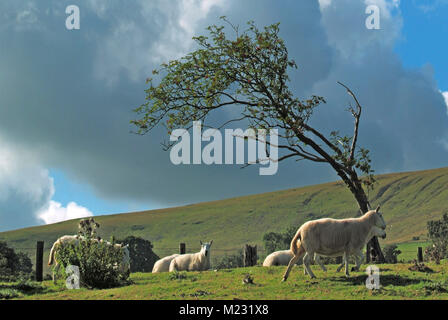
[(68, 190), (424, 37), (66, 98)]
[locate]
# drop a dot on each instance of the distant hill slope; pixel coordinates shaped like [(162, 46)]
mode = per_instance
[(408, 201)]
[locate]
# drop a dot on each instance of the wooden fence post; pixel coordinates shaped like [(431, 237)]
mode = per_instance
[(39, 260), (368, 252), (250, 255), (182, 248), (420, 254)]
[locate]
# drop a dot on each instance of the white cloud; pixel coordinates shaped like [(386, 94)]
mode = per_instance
[(445, 95), (26, 190), (324, 3), (160, 32), (55, 212), (353, 40)]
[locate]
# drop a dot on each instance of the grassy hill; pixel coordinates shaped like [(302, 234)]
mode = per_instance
[(408, 201)]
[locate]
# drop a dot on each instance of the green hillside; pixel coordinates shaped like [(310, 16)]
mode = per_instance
[(408, 201)]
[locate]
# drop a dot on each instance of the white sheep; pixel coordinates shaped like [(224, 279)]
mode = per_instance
[(198, 261), (278, 258), (334, 237), (163, 265)]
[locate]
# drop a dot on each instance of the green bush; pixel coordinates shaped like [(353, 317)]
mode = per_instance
[(391, 253), (140, 252), (13, 265), (229, 261), (438, 234), (98, 263), (9, 293), (274, 241)]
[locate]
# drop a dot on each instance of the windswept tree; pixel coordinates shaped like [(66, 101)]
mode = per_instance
[(249, 70)]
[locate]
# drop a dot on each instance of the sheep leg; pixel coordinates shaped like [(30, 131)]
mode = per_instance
[(359, 260), (347, 274), (306, 261), (340, 266), (319, 262), (293, 261), (55, 271)]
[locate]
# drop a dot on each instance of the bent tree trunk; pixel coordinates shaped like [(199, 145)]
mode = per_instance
[(373, 246)]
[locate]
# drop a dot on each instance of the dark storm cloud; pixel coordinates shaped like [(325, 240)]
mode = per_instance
[(68, 95)]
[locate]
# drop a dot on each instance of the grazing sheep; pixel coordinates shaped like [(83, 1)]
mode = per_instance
[(333, 237), (359, 257), (163, 265), (69, 239), (198, 261)]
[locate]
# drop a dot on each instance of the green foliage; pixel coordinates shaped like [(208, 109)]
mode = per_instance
[(274, 241), (14, 290), (361, 161), (434, 253), (13, 265), (141, 254), (229, 261), (436, 287), (438, 234), (87, 228), (98, 263), (9, 293), (391, 253), (178, 275), (249, 71)]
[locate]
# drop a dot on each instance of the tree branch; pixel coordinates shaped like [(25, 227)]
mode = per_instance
[(357, 115)]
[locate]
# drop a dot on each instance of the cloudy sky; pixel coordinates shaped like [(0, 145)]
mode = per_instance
[(66, 98)]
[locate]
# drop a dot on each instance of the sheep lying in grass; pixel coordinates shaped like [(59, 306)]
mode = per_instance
[(163, 265), (198, 261), (278, 258), (282, 258)]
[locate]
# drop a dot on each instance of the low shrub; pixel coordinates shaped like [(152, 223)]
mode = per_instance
[(98, 263), (9, 293), (176, 275), (141, 254), (391, 253), (13, 266), (229, 261)]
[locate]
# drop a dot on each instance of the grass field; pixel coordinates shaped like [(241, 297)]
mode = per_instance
[(408, 201), (397, 282), (409, 250)]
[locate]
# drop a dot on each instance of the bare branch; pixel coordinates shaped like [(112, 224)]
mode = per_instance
[(357, 115)]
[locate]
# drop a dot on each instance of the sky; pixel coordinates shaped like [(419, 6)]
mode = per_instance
[(66, 98)]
